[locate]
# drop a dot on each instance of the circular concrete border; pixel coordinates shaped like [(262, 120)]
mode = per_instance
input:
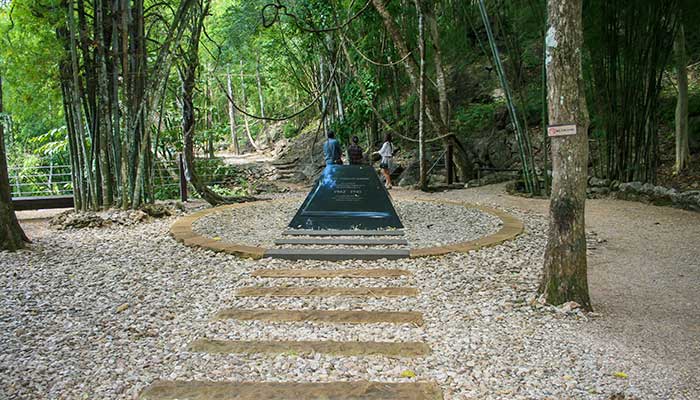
[(182, 231)]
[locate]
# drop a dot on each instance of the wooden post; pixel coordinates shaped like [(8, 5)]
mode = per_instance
[(449, 164), (183, 178), (478, 173)]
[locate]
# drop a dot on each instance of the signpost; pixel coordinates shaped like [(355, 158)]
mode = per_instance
[(561, 130)]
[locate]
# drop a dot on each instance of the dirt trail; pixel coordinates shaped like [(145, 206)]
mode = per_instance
[(644, 279), (246, 158)]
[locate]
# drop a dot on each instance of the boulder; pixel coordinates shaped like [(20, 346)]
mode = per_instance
[(77, 220), (157, 210), (500, 152), (409, 176), (311, 171), (647, 189), (631, 187), (661, 196), (599, 191), (598, 182)]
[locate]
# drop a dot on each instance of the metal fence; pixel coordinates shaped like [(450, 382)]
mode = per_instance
[(55, 180), (49, 180)]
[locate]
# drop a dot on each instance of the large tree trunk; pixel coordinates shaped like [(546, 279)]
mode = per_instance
[(12, 236), (682, 149), (565, 270)]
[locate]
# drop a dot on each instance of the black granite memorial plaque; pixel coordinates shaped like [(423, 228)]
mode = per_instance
[(347, 197)]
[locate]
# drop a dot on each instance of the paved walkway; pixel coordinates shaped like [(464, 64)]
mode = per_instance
[(644, 276)]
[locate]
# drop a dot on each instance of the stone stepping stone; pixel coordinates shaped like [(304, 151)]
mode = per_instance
[(323, 316), (331, 273), (200, 390), (311, 291), (337, 254), (388, 349), (329, 232), (341, 241)]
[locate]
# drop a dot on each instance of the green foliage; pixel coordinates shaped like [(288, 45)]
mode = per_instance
[(290, 131), (475, 117), (289, 59), (29, 56)]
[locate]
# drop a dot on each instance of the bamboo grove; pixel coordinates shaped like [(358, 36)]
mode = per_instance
[(630, 45), (140, 81), (110, 93)]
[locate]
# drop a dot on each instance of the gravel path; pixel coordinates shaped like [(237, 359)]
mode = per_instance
[(67, 333), (426, 224)]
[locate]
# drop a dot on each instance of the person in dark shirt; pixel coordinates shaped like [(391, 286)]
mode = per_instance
[(355, 154), (331, 150)]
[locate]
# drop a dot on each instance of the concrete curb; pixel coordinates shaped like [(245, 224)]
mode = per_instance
[(182, 231)]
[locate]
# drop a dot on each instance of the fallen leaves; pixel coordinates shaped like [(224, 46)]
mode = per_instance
[(408, 374)]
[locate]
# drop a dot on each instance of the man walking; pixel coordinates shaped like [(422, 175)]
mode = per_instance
[(355, 154), (332, 152)]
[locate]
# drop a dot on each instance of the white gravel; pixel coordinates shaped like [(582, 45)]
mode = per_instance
[(426, 224), (61, 335)]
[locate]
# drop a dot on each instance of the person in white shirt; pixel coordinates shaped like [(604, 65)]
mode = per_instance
[(387, 153)]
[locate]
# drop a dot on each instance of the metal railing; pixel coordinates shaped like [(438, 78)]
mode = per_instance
[(45, 180), (55, 180)]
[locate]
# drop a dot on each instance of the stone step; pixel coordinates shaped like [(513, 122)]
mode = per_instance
[(331, 273), (332, 232), (349, 349), (287, 167), (203, 390), (285, 162), (311, 291), (337, 254), (342, 241), (323, 316)]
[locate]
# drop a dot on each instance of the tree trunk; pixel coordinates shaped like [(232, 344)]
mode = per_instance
[(126, 126), (244, 98), (209, 120), (231, 113), (339, 101), (441, 82), (261, 100), (324, 101), (12, 236), (85, 172), (524, 148), (464, 163), (104, 129), (423, 167), (188, 75), (682, 149), (565, 270)]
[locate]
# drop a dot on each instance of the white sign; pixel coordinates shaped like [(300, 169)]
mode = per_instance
[(561, 130)]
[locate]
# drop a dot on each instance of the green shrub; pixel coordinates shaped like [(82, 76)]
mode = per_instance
[(475, 117)]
